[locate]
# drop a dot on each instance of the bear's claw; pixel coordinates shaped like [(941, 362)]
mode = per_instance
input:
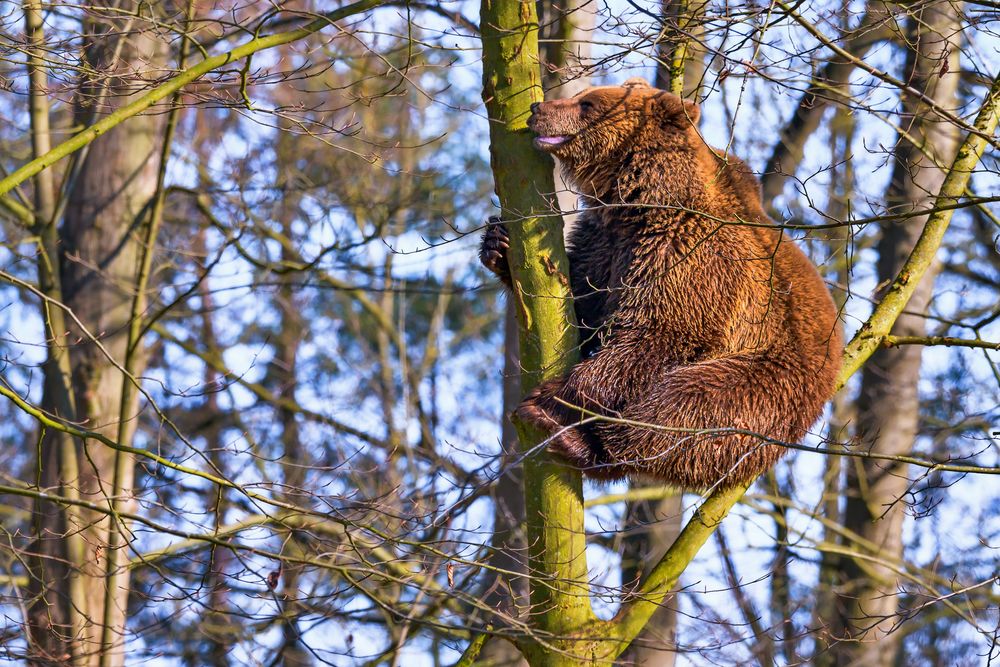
[(493, 249)]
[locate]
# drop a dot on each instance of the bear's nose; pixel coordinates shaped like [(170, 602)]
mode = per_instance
[(534, 107)]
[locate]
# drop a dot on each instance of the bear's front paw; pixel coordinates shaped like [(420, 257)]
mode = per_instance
[(493, 249)]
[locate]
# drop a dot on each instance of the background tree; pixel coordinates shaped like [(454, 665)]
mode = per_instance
[(888, 405), (100, 254)]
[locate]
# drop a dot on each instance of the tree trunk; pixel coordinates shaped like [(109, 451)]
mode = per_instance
[(564, 629), (546, 325), (53, 620), (567, 28), (680, 66), (99, 258), (282, 373), (217, 624), (888, 406), (508, 594), (653, 525), (841, 194)]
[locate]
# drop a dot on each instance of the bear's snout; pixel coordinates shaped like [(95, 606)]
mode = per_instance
[(553, 118)]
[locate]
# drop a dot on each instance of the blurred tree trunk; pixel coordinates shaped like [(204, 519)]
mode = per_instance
[(99, 251), (680, 56), (566, 30), (781, 599), (841, 193), (888, 405), (653, 525), (217, 624), (54, 586), (282, 375), (828, 84), (294, 653)]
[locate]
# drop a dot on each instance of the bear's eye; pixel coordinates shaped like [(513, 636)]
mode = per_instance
[(586, 106)]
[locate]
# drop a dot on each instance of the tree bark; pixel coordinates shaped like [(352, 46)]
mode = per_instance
[(506, 594), (560, 606), (888, 405), (681, 65)]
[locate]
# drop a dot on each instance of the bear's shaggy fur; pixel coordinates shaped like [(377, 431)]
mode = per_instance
[(703, 327)]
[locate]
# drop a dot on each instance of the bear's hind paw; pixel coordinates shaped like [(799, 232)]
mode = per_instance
[(529, 412), (568, 445)]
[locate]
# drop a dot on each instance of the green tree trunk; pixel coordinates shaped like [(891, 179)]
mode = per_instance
[(568, 28), (508, 594), (547, 333)]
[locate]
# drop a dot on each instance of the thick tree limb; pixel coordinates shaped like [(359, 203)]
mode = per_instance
[(634, 615), (875, 330)]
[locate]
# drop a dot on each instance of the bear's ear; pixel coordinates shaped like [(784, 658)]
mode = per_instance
[(672, 110), (636, 82), (691, 111)]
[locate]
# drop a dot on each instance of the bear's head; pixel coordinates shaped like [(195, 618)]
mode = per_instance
[(602, 125)]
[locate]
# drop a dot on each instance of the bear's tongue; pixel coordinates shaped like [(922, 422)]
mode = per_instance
[(552, 141)]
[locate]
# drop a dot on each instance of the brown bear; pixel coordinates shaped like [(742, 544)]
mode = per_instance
[(708, 338)]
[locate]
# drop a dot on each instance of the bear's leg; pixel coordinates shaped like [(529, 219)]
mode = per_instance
[(682, 430), (571, 435)]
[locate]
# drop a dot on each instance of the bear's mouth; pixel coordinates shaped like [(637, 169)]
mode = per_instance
[(552, 141)]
